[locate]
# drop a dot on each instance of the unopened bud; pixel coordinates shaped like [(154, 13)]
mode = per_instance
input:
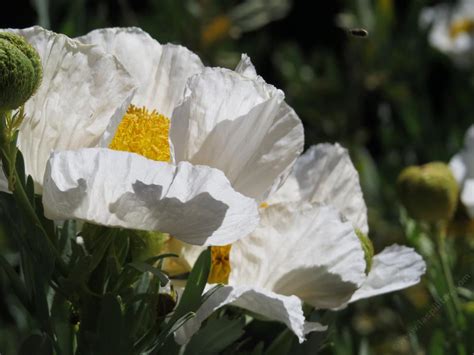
[(428, 192), (20, 71)]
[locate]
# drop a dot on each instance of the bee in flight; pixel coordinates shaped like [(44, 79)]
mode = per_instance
[(358, 32)]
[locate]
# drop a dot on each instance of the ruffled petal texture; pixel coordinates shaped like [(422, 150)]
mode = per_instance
[(305, 250), (83, 89), (285, 309), (462, 167), (239, 124), (161, 71), (325, 174), (395, 268), (195, 204)]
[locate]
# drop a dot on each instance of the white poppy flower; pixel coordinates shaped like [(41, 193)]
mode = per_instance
[(300, 252), (305, 246), (462, 166), (131, 182), (82, 90), (451, 29), (229, 120), (325, 174)]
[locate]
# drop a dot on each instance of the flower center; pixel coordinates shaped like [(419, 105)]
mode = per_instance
[(461, 26), (220, 265), (143, 132)]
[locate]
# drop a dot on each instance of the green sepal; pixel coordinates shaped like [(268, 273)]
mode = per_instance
[(368, 249)]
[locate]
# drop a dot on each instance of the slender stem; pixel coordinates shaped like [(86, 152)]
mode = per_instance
[(453, 304), (8, 158)]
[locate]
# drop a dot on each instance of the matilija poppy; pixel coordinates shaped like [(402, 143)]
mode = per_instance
[(305, 250), (451, 29), (462, 166), (83, 92), (231, 120), (224, 120)]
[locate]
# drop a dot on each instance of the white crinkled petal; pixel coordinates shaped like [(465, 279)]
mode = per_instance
[(325, 174), (462, 167), (467, 196), (395, 268), (239, 125), (82, 90), (469, 139), (285, 309), (299, 249), (458, 167), (193, 203), (161, 71)]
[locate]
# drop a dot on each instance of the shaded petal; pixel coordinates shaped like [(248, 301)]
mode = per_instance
[(193, 203), (83, 88), (161, 71), (239, 125), (325, 174), (462, 167), (285, 309), (467, 196), (458, 167), (305, 250), (395, 268)]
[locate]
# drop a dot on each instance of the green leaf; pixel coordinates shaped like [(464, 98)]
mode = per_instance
[(66, 236), (189, 303), (144, 267), (258, 350), (110, 329), (36, 344), (100, 249), (437, 343), (30, 190), (217, 335), (282, 344), (16, 283), (20, 167), (191, 298), (63, 326)]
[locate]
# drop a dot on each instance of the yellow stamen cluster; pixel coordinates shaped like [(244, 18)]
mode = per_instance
[(143, 132), (220, 265), (461, 26)]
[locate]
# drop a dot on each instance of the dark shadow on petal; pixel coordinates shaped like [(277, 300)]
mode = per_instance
[(316, 286), (195, 219)]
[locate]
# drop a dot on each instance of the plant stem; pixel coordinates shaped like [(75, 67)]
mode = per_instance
[(454, 306)]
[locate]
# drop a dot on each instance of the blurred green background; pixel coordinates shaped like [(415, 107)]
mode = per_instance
[(390, 98)]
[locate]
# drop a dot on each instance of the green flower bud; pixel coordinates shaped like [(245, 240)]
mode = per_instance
[(428, 192), (145, 245), (20, 71), (368, 248)]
